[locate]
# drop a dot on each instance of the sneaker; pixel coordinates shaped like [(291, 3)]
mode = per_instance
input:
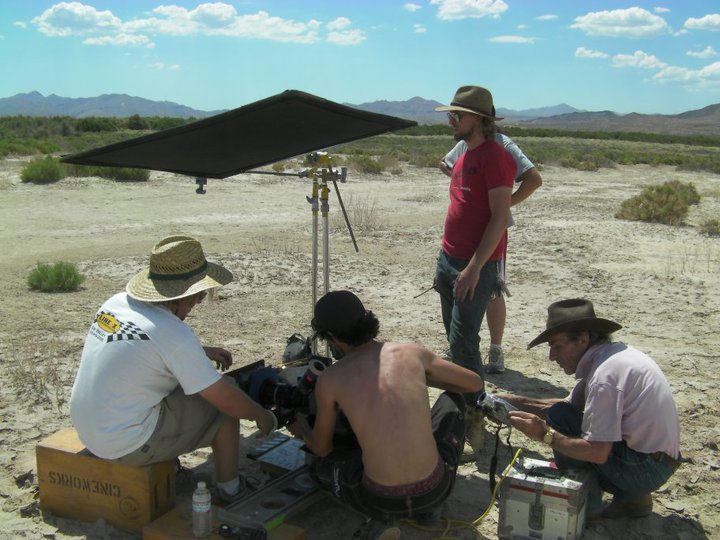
[(496, 360), (221, 498), (640, 507), (374, 529)]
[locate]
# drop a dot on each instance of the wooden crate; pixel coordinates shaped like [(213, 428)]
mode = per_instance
[(73, 483)]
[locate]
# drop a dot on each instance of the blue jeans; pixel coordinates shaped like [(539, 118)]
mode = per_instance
[(626, 474), (462, 320)]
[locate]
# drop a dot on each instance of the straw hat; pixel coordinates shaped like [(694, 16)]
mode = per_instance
[(178, 268), (472, 99), (573, 315)]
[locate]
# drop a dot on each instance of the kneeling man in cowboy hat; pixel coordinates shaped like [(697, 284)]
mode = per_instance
[(146, 390), (620, 419)]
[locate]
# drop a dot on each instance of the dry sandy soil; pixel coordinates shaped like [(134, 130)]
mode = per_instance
[(660, 282)]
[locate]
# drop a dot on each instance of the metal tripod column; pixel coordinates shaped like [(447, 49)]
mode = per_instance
[(325, 210), (314, 204)]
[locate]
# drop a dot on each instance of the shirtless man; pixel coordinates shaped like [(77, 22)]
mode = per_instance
[(406, 457)]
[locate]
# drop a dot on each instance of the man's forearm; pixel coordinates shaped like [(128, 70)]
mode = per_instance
[(533, 405)]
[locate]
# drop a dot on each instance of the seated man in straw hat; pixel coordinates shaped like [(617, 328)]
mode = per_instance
[(406, 457), (146, 390), (620, 419)]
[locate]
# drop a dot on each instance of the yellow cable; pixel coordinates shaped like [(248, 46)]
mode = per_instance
[(456, 524)]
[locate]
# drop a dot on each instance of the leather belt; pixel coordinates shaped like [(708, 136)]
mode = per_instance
[(662, 457)]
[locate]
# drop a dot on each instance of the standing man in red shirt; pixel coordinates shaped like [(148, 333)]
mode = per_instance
[(469, 265)]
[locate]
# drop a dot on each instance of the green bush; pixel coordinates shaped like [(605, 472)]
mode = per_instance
[(365, 164), (687, 192), (42, 171), (665, 204), (60, 276), (711, 227), (121, 174)]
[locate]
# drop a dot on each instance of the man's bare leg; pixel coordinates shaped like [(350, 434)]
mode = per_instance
[(226, 451)]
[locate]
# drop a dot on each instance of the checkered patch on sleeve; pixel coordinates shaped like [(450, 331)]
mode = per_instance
[(128, 332), (117, 330)]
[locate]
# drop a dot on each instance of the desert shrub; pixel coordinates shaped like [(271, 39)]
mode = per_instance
[(120, 174), (124, 174), (56, 277), (656, 204), (711, 227), (365, 164), (42, 171), (362, 213), (687, 192)]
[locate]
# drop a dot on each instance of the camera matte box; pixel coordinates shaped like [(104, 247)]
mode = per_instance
[(540, 502)]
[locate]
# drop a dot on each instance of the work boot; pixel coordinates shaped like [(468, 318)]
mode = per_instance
[(639, 507), (496, 360)]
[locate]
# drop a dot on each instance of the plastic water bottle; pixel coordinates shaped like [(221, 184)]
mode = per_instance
[(201, 511)]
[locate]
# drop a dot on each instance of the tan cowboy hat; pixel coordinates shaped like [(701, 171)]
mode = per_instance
[(178, 268), (472, 99), (572, 315)]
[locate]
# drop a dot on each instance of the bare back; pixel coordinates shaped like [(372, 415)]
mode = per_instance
[(382, 389)]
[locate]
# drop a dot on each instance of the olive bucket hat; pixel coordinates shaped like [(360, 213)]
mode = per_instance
[(472, 99), (572, 315)]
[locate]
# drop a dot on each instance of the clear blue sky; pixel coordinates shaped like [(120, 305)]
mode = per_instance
[(633, 56)]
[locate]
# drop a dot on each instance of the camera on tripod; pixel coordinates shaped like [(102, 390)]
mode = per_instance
[(284, 391)]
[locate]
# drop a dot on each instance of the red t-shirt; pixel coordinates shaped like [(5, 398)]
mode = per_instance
[(474, 174)]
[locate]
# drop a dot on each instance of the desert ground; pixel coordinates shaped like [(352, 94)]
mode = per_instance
[(660, 282)]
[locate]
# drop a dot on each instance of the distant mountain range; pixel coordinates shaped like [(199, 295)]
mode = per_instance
[(705, 121), (35, 104)]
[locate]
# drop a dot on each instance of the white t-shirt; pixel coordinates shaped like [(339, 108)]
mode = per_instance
[(135, 354)]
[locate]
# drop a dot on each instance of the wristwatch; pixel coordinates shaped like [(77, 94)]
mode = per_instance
[(548, 437)]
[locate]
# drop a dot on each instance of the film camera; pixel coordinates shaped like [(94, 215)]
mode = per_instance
[(284, 391)]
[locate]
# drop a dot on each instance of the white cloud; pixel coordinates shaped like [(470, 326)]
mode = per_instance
[(451, 10), (347, 37), (339, 24), (633, 22), (20, 24), (661, 10), (160, 66), (521, 26), (68, 18), (419, 29), (513, 39), (696, 79), (412, 7), (638, 59), (548, 17), (582, 52), (708, 22), (211, 19), (707, 52), (119, 40)]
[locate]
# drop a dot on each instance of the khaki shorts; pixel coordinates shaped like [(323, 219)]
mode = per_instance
[(186, 423)]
